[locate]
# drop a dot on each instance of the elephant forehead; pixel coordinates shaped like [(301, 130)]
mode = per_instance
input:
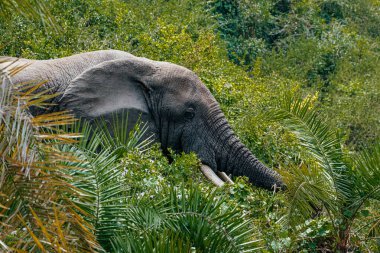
[(188, 83), (182, 84), (175, 74)]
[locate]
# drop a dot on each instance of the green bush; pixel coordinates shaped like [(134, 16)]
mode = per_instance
[(325, 45), (248, 54)]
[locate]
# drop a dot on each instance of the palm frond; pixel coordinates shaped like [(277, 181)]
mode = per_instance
[(366, 167), (329, 180), (366, 176), (325, 179), (34, 180), (315, 135), (308, 192), (190, 220), (320, 141), (101, 178), (165, 241), (115, 135)]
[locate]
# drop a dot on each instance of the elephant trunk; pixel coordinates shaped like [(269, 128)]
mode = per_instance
[(233, 157), (243, 163)]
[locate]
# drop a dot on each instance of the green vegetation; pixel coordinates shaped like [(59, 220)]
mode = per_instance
[(335, 182), (328, 46), (36, 195), (251, 55)]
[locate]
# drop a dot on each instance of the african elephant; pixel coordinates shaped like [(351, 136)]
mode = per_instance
[(180, 111)]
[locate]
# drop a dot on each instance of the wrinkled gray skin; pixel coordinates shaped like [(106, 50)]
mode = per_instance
[(179, 109)]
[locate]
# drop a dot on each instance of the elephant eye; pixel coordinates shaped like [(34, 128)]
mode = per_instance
[(189, 114)]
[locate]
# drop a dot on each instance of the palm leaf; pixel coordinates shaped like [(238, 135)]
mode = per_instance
[(366, 176), (190, 221), (34, 179), (100, 178), (320, 141), (366, 167), (329, 180), (165, 241), (114, 134), (308, 192), (326, 179)]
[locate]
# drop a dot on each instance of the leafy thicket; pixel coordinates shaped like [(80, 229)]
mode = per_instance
[(323, 137), (61, 195), (334, 181), (185, 220), (328, 46), (37, 211), (141, 207), (33, 10)]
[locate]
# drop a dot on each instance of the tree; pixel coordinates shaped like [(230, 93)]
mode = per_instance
[(335, 182)]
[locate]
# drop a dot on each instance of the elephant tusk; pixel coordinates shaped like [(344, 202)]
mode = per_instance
[(210, 174), (225, 177)]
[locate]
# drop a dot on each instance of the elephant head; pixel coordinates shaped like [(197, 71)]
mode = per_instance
[(180, 111)]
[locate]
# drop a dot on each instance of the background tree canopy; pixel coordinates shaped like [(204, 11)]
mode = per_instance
[(298, 80)]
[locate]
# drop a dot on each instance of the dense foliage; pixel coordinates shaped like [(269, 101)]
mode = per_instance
[(251, 55), (36, 196), (330, 47)]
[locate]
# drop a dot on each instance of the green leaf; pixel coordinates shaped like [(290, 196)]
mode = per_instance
[(365, 212)]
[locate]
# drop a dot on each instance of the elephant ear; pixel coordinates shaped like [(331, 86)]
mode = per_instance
[(109, 87)]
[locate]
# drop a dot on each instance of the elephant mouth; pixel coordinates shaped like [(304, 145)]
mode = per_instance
[(219, 178)]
